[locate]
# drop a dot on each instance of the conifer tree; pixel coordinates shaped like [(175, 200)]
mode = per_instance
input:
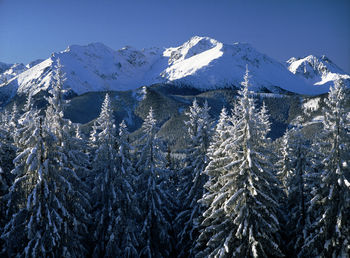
[(91, 149), (9, 123), (37, 214), (78, 155), (128, 211), (93, 137), (29, 183), (4, 186), (295, 164), (46, 207), (191, 176), (241, 216), (8, 126), (3, 183), (154, 203), (13, 121), (3, 189), (329, 233), (106, 169), (218, 154), (6, 179), (72, 164)]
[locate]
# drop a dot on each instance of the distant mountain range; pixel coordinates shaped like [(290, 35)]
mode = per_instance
[(201, 63)]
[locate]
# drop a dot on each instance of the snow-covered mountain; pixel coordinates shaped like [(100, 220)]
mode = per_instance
[(4, 67), (94, 67), (206, 63), (34, 63), (317, 70), (201, 62), (8, 71)]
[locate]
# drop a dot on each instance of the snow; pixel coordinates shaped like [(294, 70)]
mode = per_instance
[(188, 66), (140, 93), (347, 183), (26, 81), (200, 62), (315, 120), (194, 46), (318, 119), (331, 77), (7, 72), (221, 65), (312, 104), (319, 71), (34, 63)]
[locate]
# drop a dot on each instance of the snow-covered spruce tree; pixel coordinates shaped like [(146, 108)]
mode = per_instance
[(242, 211), (79, 153), (93, 138), (329, 233), (3, 183), (6, 178), (212, 239), (13, 121), (38, 215), (128, 210), (28, 168), (9, 123), (45, 200), (155, 205), (91, 149), (4, 186), (106, 170), (72, 164), (170, 183), (11, 126), (294, 163), (3, 189), (191, 177), (8, 127)]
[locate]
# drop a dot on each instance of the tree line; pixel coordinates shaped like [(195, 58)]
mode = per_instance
[(232, 192)]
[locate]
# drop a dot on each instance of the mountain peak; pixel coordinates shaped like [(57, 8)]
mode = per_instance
[(96, 49), (195, 39), (318, 70), (310, 59), (196, 45)]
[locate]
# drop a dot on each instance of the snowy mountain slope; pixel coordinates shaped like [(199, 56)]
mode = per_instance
[(4, 67), (34, 63), (94, 67), (201, 62), (8, 71), (317, 70), (206, 63)]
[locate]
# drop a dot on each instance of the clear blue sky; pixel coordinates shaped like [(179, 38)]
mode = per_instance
[(32, 29)]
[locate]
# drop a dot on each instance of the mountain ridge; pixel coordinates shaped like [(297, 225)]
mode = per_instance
[(201, 62), (318, 70)]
